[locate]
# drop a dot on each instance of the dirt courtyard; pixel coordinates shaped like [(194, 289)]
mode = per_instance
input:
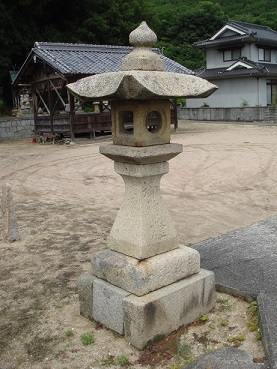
[(66, 199)]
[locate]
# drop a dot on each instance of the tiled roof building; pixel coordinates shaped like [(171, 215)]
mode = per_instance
[(83, 59), (241, 59), (49, 67)]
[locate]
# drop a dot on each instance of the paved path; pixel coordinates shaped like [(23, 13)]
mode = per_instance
[(245, 263)]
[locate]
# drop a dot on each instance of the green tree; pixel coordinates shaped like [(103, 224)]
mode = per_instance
[(110, 22), (195, 23), (101, 22), (178, 24), (199, 23)]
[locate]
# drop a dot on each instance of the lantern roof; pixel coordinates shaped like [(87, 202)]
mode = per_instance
[(142, 76)]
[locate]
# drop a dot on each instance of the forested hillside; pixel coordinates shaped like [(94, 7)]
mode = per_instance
[(178, 24), (183, 22)]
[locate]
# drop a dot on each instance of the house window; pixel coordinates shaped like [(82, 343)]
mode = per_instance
[(265, 55), (271, 89), (231, 54)]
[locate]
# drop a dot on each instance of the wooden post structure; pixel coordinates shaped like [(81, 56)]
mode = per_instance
[(50, 107), (71, 116)]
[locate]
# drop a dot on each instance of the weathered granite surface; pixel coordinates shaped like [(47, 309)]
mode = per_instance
[(138, 113), (141, 85), (142, 38), (158, 313), (108, 305), (85, 292), (141, 155), (143, 276), (143, 226)]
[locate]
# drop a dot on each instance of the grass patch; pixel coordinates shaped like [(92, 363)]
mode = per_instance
[(87, 338), (253, 317), (69, 333), (123, 360), (204, 318), (225, 304), (184, 349), (253, 320), (108, 361), (224, 322)]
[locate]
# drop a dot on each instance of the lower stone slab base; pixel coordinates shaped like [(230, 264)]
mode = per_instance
[(144, 319), (107, 306)]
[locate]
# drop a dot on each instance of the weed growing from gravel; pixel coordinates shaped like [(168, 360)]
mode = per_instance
[(69, 333), (184, 351), (87, 338), (123, 360), (185, 362), (253, 320), (259, 335), (240, 337), (108, 361), (224, 322), (225, 304), (204, 318), (253, 317)]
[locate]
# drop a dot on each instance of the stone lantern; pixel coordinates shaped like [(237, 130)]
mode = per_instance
[(145, 285)]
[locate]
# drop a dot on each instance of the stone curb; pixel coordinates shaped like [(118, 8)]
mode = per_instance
[(229, 358), (268, 321), (245, 263)]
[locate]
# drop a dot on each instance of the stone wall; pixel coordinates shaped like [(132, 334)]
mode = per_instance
[(247, 114), (16, 128)]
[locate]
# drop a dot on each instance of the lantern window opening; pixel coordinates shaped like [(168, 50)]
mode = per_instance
[(126, 121), (153, 121)]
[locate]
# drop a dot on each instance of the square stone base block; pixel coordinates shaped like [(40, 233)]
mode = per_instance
[(140, 277), (107, 305), (144, 319)]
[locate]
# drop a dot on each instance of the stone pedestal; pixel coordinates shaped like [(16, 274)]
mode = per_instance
[(143, 276), (146, 285), (145, 319), (156, 314)]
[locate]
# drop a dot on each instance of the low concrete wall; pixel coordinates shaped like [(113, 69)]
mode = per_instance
[(247, 114), (16, 128)]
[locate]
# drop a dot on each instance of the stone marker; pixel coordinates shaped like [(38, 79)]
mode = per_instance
[(146, 285), (10, 230)]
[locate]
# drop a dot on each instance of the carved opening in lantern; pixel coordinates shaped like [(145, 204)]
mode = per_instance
[(126, 122), (153, 121)]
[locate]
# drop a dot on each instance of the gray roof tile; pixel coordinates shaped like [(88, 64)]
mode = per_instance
[(91, 59), (258, 69), (260, 31), (253, 32)]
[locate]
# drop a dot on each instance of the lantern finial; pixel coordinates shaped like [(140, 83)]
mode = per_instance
[(142, 57)]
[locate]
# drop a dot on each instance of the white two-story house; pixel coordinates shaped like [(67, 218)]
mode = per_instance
[(242, 62)]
